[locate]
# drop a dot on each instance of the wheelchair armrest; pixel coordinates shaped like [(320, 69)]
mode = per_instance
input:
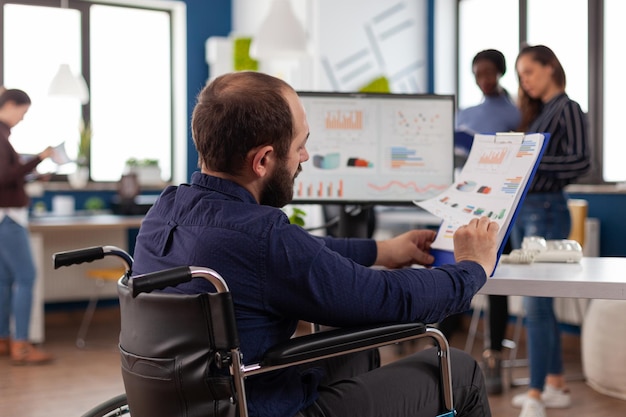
[(337, 341)]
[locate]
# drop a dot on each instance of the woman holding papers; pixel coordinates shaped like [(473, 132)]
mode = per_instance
[(17, 270), (496, 113), (546, 108)]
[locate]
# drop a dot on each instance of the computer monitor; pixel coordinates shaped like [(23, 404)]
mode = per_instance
[(369, 149), (375, 148)]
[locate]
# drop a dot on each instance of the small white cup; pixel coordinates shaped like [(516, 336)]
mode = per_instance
[(63, 205)]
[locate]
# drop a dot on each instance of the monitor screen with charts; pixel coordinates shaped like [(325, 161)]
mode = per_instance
[(376, 148)]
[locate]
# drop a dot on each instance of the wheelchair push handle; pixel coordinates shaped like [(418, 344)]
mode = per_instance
[(172, 277), (90, 254), (77, 256), (159, 280)]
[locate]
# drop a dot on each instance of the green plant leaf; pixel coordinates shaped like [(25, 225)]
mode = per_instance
[(297, 216)]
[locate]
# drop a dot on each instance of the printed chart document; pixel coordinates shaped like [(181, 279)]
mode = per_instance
[(492, 183)]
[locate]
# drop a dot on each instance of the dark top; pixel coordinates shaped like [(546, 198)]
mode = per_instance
[(12, 172), (279, 273), (567, 156)]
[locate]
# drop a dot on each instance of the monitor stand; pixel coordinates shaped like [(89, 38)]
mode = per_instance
[(355, 221)]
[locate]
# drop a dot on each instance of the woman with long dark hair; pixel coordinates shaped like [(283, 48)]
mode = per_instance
[(546, 108)]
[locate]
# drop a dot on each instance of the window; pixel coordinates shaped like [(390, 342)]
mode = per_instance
[(135, 84), (478, 30), (30, 63), (614, 62), (567, 37), (131, 89), (581, 33)]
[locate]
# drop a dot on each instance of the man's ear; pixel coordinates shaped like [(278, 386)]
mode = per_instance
[(263, 160)]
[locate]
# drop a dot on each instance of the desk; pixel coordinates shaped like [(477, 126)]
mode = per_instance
[(391, 222), (82, 223), (51, 234), (408, 217), (603, 278)]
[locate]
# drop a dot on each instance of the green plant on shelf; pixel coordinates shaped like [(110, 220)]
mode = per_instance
[(84, 144), (297, 216), (94, 204), (134, 162)]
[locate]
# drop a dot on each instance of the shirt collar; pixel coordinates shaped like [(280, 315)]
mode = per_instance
[(497, 97), (222, 186), (555, 99)]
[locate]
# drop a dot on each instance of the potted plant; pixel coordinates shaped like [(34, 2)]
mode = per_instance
[(297, 216), (84, 144), (80, 177), (147, 170)]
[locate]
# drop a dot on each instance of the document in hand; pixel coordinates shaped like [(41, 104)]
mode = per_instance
[(492, 183), (59, 156)]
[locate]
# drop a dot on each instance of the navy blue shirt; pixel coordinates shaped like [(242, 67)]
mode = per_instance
[(279, 273)]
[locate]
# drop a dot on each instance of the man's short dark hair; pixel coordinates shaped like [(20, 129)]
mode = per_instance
[(238, 112)]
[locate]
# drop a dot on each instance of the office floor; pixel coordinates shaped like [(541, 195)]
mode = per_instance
[(81, 378)]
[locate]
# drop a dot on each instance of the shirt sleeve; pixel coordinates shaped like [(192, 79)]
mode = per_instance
[(361, 251), (314, 282), (12, 169), (567, 155)]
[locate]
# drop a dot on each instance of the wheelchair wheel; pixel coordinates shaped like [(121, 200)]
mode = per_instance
[(116, 406)]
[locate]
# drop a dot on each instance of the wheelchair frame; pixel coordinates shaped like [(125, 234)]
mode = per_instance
[(296, 351)]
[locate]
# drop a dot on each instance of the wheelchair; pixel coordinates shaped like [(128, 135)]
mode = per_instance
[(180, 353)]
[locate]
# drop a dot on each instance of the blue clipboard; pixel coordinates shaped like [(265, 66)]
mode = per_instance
[(443, 256)]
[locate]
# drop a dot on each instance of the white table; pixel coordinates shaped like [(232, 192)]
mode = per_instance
[(603, 278), (407, 217), (598, 278), (53, 234)]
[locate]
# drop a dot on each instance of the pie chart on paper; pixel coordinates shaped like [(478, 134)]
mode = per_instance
[(466, 186)]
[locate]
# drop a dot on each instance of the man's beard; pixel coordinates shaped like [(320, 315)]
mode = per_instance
[(278, 191)]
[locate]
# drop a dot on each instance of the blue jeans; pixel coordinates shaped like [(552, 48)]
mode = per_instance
[(545, 215), (17, 276)]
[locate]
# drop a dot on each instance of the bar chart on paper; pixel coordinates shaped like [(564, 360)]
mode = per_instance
[(493, 159)]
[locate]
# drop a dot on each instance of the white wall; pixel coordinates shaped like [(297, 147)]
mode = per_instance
[(353, 41)]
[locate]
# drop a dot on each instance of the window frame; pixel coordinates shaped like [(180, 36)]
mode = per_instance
[(595, 12), (178, 66)]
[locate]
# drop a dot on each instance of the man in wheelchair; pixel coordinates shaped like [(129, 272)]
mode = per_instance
[(251, 131)]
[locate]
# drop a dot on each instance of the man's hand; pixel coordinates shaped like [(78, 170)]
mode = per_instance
[(476, 242), (406, 249)]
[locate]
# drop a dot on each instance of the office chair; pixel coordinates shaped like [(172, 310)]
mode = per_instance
[(101, 277), (181, 357)]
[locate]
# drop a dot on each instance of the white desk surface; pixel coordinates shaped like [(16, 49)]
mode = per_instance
[(411, 216), (84, 222), (603, 278)]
